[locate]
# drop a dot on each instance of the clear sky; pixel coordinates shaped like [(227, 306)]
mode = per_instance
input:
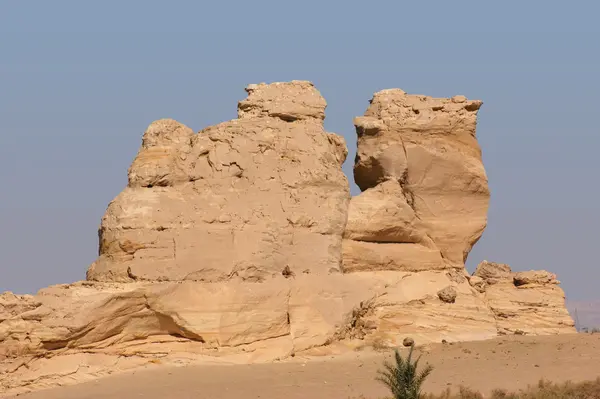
[(81, 80)]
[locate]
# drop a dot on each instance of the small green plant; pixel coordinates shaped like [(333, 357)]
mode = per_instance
[(402, 377)]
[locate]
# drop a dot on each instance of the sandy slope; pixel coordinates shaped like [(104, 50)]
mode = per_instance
[(511, 362)]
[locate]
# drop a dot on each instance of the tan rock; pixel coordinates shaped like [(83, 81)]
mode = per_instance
[(384, 233), (289, 101), (411, 308), (186, 322), (360, 256), (320, 307), (242, 199), (478, 283), (240, 244), (457, 276), (493, 272), (428, 145), (447, 294), (12, 305), (529, 309), (535, 277), (158, 163), (382, 214), (216, 315)]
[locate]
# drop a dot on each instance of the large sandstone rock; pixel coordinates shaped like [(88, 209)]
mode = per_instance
[(414, 309), (86, 330), (524, 302), (91, 329), (240, 244), (242, 199), (426, 150), (542, 277)]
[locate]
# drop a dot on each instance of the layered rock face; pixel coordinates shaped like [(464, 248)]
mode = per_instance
[(528, 302), (242, 199), (425, 193), (241, 244), (423, 206)]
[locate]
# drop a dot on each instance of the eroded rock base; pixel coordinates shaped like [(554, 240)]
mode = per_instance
[(71, 333)]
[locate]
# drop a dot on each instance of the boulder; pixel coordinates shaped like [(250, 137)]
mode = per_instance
[(535, 277), (492, 272), (447, 294), (529, 309), (382, 214)]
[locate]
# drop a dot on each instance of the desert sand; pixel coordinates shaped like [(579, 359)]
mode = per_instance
[(510, 362)]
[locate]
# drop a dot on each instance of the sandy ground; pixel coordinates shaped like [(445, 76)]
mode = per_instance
[(511, 363)]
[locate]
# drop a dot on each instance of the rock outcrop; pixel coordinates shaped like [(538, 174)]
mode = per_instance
[(528, 302), (419, 166), (244, 198), (492, 272), (424, 203), (241, 244)]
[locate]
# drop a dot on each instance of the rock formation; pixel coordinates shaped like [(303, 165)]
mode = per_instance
[(524, 302), (244, 198), (425, 193), (241, 244), (423, 206)]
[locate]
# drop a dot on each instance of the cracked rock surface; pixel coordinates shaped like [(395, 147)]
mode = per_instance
[(241, 244), (243, 199), (419, 166)]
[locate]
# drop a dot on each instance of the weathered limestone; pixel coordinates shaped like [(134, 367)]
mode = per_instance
[(426, 149), (493, 272), (524, 302), (423, 206), (241, 244), (238, 321), (242, 199), (12, 305)]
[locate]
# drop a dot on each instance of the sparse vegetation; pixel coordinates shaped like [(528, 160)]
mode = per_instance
[(544, 390), (405, 381), (402, 377)]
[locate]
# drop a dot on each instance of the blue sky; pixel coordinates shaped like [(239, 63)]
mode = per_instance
[(80, 81)]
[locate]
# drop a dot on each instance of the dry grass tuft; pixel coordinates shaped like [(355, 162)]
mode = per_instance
[(543, 390)]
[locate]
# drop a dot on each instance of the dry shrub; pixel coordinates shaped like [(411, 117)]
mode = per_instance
[(544, 390)]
